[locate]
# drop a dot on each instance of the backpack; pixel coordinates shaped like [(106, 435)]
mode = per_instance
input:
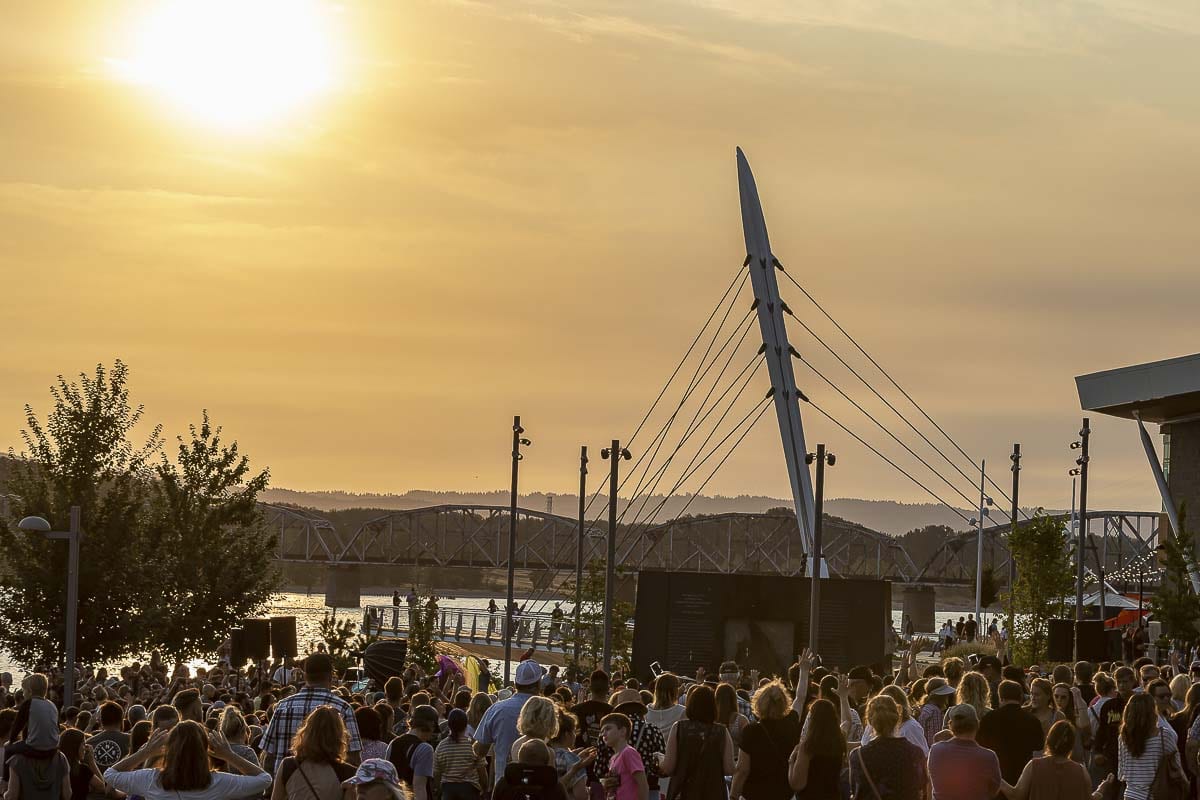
[(400, 754)]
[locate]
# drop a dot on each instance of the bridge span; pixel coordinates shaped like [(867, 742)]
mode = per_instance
[(476, 536)]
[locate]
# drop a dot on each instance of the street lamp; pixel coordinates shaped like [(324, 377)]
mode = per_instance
[(40, 525)]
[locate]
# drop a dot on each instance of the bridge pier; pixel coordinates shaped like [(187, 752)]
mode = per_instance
[(918, 605), (343, 585)]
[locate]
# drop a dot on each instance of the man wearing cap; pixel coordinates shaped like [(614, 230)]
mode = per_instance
[(1011, 732), (938, 695), (289, 713), (412, 754), (958, 767), (498, 728)]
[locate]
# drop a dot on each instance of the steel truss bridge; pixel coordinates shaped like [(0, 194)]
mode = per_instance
[(1123, 543), (476, 536)]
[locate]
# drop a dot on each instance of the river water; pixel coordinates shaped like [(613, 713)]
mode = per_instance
[(309, 609)]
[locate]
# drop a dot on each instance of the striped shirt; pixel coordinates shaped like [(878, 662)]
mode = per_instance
[(456, 762), (1138, 772), (289, 714)]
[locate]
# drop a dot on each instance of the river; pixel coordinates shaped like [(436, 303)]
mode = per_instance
[(308, 609)]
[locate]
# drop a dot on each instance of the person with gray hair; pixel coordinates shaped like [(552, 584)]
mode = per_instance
[(959, 766)]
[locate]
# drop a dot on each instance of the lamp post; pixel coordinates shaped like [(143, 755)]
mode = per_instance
[(613, 455), (985, 504), (814, 604), (40, 525), (517, 441)]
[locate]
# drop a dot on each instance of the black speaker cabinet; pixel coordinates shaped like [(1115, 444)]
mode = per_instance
[(283, 637), (1061, 640), (257, 638), (237, 648), (687, 619), (1113, 651), (1089, 640)]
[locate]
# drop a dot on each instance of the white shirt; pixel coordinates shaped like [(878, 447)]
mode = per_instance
[(144, 782), (665, 719), (909, 729)]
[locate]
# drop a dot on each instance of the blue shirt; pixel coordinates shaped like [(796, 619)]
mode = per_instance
[(499, 729)]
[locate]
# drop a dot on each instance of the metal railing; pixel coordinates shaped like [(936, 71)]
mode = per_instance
[(479, 626)]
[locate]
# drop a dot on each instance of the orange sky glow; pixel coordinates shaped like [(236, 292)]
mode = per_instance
[(364, 235)]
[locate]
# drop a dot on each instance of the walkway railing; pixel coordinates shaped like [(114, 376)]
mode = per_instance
[(479, 626)]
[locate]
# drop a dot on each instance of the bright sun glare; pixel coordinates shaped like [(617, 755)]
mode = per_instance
[(232, 64)]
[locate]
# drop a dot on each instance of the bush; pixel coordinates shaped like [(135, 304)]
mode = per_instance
[(964, 649)]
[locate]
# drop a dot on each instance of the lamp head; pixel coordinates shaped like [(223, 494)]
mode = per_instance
[(34, 525), (1075, 445), (830, 459)]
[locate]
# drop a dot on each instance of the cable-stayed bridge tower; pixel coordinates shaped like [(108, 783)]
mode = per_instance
[(778, 353)]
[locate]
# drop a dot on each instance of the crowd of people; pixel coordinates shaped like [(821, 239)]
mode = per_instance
[(952, 730)]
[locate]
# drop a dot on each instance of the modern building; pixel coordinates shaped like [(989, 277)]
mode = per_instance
[(1166, 393)]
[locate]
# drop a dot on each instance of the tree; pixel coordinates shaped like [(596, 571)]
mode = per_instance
[(1042, 553), (590, 634), (337, 635), (215, 565), (81, 455), (1175, 604), (421, 626), (171, 554)]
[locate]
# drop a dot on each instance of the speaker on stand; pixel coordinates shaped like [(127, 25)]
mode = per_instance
[(283, 638), (1061, 640), (257, 639), (237, 648), (1090, 641)]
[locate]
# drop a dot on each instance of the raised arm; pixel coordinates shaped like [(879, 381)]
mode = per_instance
[(804, 661), (843, 692)]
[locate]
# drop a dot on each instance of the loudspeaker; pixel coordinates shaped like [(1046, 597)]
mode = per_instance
[(237, 648), (1113, 648), (283, 637), (1089, 640), (257, 638), (1061, 640)]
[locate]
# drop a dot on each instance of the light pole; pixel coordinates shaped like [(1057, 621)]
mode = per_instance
[(40, 525), (583, 462), (512, 540), (822, 458), (985, 503), (614, 455)]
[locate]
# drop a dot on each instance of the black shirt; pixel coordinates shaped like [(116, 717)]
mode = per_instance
[(1014, 735), (769, 743)]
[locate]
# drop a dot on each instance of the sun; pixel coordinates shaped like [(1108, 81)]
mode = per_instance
[(232, 64)]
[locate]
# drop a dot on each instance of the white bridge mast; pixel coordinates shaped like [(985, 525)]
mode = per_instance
[(761, 263)]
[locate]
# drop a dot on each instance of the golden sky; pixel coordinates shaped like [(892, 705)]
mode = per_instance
[(529, 207)]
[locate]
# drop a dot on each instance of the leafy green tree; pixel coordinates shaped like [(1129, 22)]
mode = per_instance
[(421, 627), (171, 553), (1175, 604), (81, 455), (590, 634), (1042, 553), (215, 561), (337, 635)]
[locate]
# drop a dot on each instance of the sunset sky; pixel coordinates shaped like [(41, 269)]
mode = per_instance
[(365, 235)]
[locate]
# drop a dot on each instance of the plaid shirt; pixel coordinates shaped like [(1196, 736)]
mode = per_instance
[(289, 714), (745, 709)]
